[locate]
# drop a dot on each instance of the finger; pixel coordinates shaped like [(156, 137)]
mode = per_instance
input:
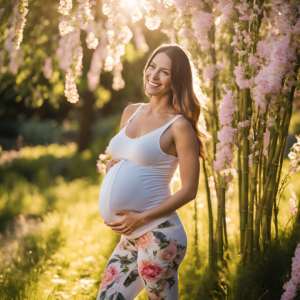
[(120, 223), (119, 228)]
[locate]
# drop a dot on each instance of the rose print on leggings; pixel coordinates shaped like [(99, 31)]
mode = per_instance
[(150, 261), (150, 271), (168, 254)]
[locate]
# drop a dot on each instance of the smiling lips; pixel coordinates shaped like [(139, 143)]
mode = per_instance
[(153, 84)]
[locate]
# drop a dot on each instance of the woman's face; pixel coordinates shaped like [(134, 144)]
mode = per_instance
[(158, 75)]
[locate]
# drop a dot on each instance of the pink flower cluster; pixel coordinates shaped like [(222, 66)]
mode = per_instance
[(240, 77), (151, 271), (291, 286), (98, 58), (101, 163), (224, 157), (226, 8), (276, 52), (110, 274), (201, 23), (294, 157), (268, 80)]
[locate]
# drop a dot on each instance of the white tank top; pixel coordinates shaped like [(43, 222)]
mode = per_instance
[(141, 180)]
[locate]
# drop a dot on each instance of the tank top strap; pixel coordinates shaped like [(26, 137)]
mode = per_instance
[(137, 110), (168, 124)]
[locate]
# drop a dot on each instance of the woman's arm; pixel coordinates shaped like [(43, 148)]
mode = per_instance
[(188, 156)]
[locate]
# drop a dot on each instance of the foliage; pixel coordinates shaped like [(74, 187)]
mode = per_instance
[(58, 244)]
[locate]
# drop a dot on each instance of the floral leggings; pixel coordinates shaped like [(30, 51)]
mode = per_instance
[(150, 261)]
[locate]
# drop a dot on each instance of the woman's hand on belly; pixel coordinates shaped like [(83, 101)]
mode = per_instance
[(131, 221), (111, 163)]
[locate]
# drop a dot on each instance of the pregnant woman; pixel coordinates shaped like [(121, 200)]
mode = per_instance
[(135, 198)]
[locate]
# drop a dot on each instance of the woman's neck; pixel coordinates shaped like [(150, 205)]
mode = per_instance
[(161, 105)]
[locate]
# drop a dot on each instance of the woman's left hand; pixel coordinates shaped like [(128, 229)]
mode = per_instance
[(131, 221)]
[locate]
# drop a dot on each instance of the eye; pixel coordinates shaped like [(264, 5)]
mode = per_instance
[(152, 65), (166, 72)]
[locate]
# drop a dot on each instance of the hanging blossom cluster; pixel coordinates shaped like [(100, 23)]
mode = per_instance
[(227, 137), (118, 32), (69, 51), (201, 23), (65, 7), (294, 157), (291, 286), (72, 73), (20, 12), (98, 58), (277, 53)]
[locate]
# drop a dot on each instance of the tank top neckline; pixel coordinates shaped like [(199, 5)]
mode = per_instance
[(135, 113)]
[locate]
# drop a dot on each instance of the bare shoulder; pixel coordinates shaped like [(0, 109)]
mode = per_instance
[(130, 109), (182, 125), (183, 130), (128, 112)]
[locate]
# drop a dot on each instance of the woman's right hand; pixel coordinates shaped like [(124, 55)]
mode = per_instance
[(111, 163)]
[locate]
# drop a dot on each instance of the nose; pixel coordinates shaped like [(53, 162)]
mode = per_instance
[(154, 75)]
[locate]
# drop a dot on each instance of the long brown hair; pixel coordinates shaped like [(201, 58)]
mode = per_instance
[(184, 99)]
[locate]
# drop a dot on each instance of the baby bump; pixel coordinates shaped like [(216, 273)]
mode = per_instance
[(131, 187), (105, 192)]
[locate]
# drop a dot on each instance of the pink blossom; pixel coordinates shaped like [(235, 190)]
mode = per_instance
[(146, 241), (168, 254), (227, 109), (202, 22), (110, 274), (226, 135), (150, 271), (253, 60), (209, 72), (291, 286), (240, 77), (181, 5), (226, 8)]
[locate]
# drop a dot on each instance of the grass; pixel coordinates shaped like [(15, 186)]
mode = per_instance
[(54, 244)]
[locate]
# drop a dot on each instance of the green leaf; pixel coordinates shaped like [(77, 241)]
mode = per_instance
[(154, 252), (130, 242), (113, 260), (120, 297), (111, 297), (102, 296), (109, 286), (165, 224), (134, 274), (160, 236)]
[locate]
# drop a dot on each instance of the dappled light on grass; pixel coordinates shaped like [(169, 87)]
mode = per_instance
[(56, 245)]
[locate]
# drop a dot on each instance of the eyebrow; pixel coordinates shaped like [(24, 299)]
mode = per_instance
[(152, 62)]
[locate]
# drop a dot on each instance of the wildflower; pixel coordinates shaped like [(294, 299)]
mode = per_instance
[(91, 41), (136, 15), (294, 208), (291, 286), (65, 7), (294, 157)]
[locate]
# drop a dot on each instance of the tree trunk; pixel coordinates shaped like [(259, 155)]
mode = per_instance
[(87, 117)]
